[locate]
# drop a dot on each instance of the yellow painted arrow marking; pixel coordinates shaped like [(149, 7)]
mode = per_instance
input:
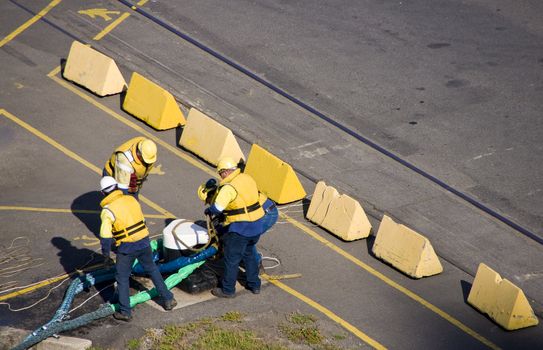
[(88, 240), (157, 170), (104, 13)]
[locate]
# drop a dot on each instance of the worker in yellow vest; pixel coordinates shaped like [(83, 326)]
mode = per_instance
[(237, 200), (123, 227), (131, 163), (207, 192)]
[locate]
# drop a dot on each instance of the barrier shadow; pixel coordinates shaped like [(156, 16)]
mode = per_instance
[(305, 206), (370, 240), (466, 288)]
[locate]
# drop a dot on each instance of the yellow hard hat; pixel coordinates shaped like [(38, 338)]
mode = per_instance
[(226, 163), (148, 151)]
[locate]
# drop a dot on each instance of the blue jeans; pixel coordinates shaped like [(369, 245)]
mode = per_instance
[(270, 218), (124, 270), (236, 249)]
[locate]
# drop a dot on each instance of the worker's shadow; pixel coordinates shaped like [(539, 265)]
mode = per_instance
[(87, 209), (74, 259)]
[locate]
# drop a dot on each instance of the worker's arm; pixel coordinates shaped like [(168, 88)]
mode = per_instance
[(226, 195), (123, 172), (106, 237)]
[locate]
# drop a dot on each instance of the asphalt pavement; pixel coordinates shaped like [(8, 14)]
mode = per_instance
[(55, 137)]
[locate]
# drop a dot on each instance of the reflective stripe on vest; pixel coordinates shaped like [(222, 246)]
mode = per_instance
[(129, 231), (246, 206)]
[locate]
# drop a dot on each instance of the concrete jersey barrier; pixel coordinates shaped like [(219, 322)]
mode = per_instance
[(93, 70), (501, 300), (152, 104), (339, 214), (405, 249), (208, 139), (275, 178)]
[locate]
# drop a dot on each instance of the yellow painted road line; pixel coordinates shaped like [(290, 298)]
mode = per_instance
[(28, 23), (47, 282), (115, 23), (390, 282), (33, 287), (78, 211), (76, 157), (292, 221), (364, 337), (112, 26)]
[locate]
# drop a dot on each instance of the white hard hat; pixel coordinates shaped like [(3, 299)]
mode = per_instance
[(107, 183)]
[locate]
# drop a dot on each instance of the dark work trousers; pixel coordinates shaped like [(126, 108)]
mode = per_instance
[(236, 249), (124, 269)]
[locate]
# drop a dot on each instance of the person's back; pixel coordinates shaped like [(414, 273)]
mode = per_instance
[(123, 225), (237, 200), (131, 163)]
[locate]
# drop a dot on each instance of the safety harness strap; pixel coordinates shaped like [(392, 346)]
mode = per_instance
[(247, 209)]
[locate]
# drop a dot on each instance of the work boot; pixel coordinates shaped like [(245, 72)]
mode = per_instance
[(220, 294), (170, 304), (122, 317), (255, 290)]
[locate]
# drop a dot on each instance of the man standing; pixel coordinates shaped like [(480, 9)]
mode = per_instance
[(131, 163), (124, 226), (237, 200)]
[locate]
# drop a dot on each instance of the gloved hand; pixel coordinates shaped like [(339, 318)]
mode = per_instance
[(207, 211), (211, 184), (133, 185)]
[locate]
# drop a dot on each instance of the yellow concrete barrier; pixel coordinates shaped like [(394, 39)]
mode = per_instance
[(152, 104), (93, 70), (208, 139), (339, 214), (501, 300), (274, 177), (405, 249)]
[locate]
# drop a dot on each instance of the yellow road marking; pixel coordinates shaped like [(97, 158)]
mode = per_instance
[(115, 23), (112, 26), (48, 282), (28, 23), (34, 287), (326, 311), (78, 211), (99, 12), (76, 157)]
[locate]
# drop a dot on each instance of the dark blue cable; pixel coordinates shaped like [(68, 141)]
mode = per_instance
[(336, 124)]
